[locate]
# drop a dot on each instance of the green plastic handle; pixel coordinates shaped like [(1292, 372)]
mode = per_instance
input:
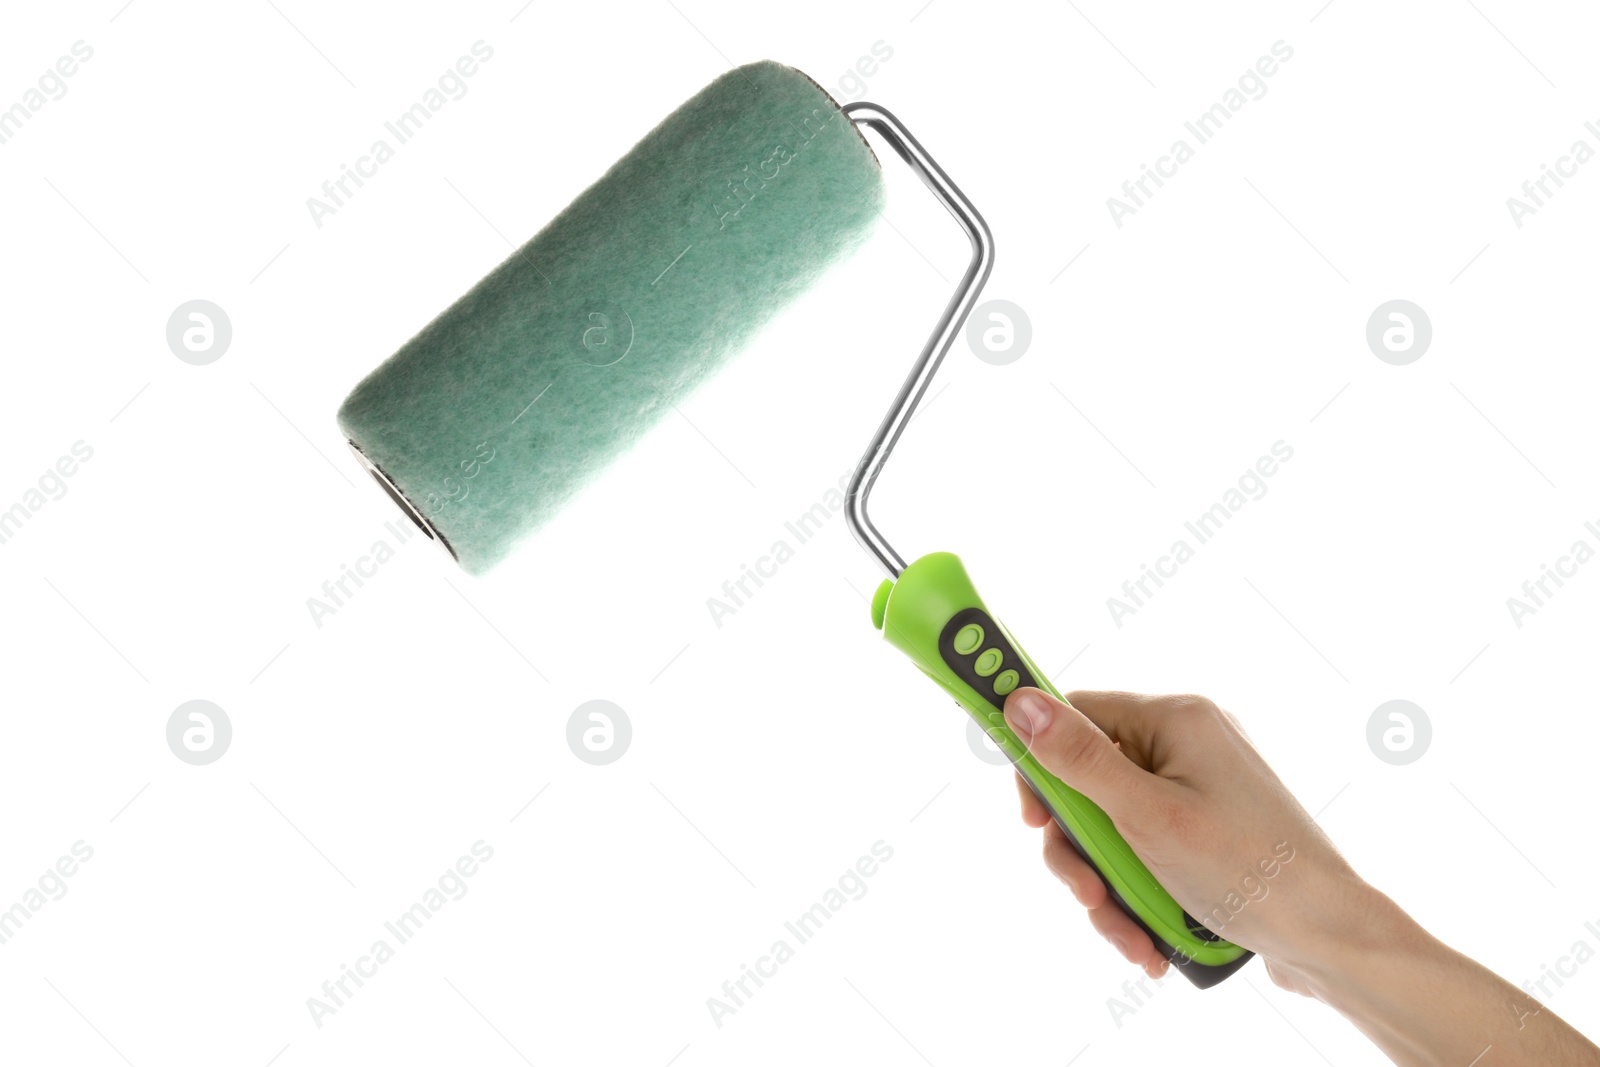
[(933, 614)]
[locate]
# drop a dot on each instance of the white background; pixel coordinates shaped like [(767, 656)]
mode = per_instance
[(770, 753)]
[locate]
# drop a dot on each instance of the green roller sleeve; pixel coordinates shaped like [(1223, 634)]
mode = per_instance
[(507, 404), (933, 614)]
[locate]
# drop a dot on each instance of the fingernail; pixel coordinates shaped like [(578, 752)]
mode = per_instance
[(1027, 713)]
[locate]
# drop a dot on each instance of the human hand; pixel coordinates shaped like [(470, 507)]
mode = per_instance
[(1197, 803), (1201, 808)]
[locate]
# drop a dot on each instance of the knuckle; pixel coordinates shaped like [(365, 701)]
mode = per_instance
[(1233, 720), (1054, 855), (1081, 750), (1192, 706), (1062, 862)]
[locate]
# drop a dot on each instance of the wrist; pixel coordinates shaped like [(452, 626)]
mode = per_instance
[(1361, 944), (1351, 937)]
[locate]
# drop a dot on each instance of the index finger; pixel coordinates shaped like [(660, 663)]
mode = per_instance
[(1129, 719)]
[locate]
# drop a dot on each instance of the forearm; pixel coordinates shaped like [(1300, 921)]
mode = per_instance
[(1198, 804), (1427, 1005)]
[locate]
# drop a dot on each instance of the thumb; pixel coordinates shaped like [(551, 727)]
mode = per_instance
[(1075, 750)]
